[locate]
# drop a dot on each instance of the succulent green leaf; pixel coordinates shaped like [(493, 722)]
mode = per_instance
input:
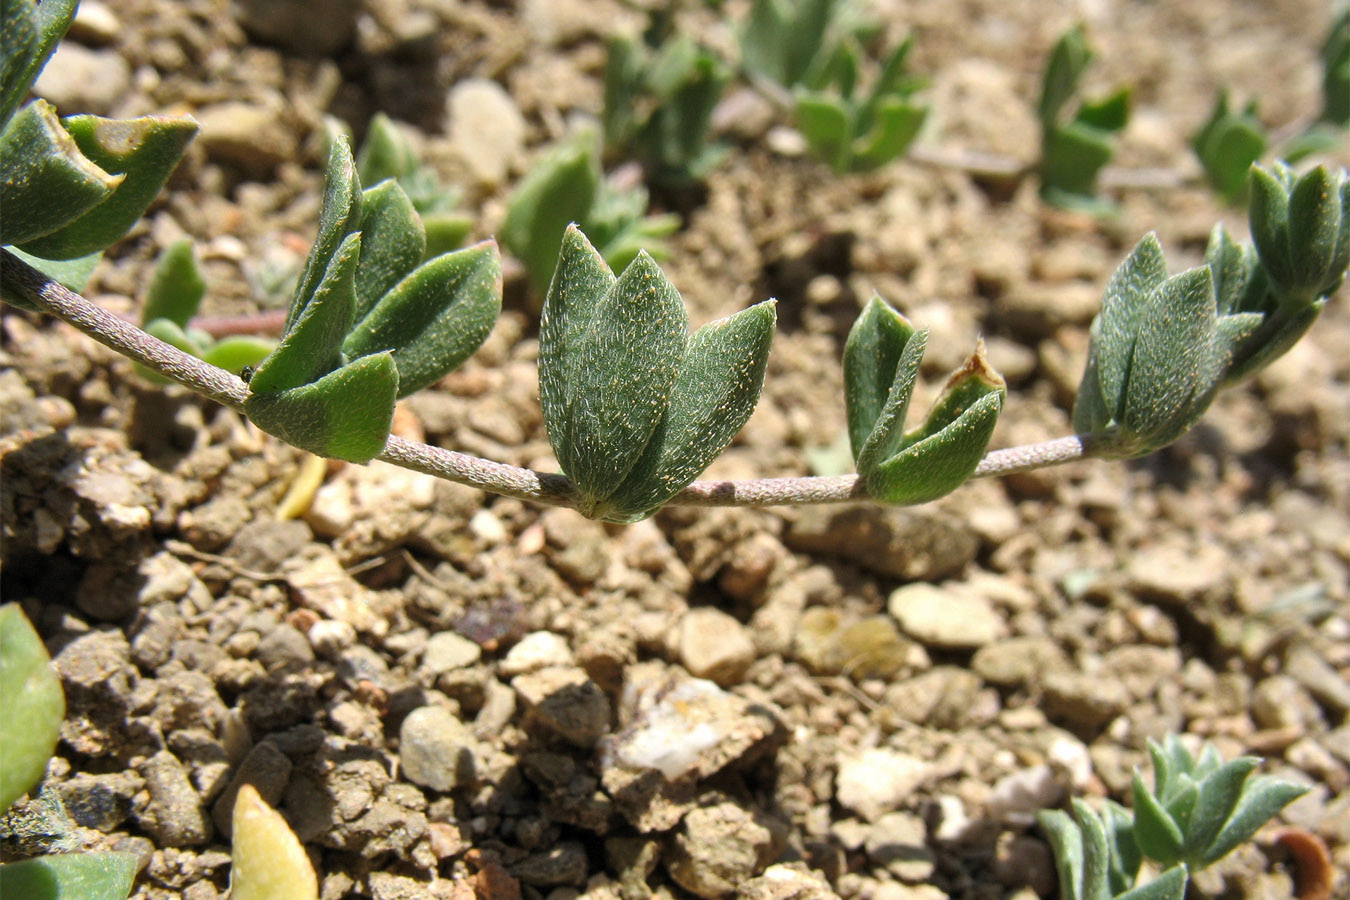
[(176, 286), (1271, 348), (1268, 210), (29, 33), (897, 125), (620, 372), (1318, 231), (1158, 836), (942, 454), (392, 243), (1124, 304), (346, 414), (1068, 60), (339, 215), (385, 153), (1261, 799), (1096, 853), (1125, 855), (435, 318), (45, 181), (581, 277), (1091, 412), (234, 353), (1217, 797), (71, 876), (1227, 145), (1232, 268), (1170, 885), (1110, 113), (312, 344), (881, 363), (782, 40), (1181, 803), (1172, 370), (827, 124), (144, 151), (1073, 154), (715, 392), (1066, 840), (558, 190), (446, 231), (32, 705)]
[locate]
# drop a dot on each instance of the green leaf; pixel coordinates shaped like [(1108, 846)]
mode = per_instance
[(560, 189), (1123, 306), (1066, 65), (1093, 413), (1170, 885), (1066, 840), (435, 318), (1172, 375), (176, 286), (897, 125), (311, 346), (1227, 145), (1072, 156), (1319, 231), (338, 216), (346, 414), (1268, 211), (32, 705), (392, 243), (718, 385), (45, 181), (619, 373), (1262, 798), (1272, 347), (145, 151), (1158, 836), (267, 860), (1217, 797), (881, 363), (71, 876), (942, 454), (446, 231), (29, 33), (1336, 72), (1110, 113), (827, 124), (385, 153), (1096, 853), (1124, 851)]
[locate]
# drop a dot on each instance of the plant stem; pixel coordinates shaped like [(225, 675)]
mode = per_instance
[(17, 278)]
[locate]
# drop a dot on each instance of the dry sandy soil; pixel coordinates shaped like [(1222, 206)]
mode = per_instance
[(447, 692)]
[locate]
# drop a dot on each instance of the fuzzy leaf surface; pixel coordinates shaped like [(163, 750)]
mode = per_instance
[(393, 242), (1218, 796), (71, 876), (346, 414), (144, 151), (879, 376), (29, 33), (386, 152), (32, 705), (339, 215), (620, 372), (45, 181), (435, 318), (1158, 836), (1096, 853), (1123, 307), (1170, 885), (311, 346), (718, 385), (176, 286), (1262, 798), (1066, 839)]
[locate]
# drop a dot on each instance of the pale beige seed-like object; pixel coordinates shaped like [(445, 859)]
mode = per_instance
[(267, 860)]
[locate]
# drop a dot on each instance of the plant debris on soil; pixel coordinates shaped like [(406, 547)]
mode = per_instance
[(450, 694)]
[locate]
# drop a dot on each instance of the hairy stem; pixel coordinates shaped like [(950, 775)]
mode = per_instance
[(17, 278)]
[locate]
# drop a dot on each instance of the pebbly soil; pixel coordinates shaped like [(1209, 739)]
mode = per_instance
[(450, 694)]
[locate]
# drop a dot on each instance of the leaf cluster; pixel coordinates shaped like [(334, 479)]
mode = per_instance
[(854, 129), (387, 152), (660, 92), (1162, 347), (794, 43), (372, 319), (1076, 144), (70, 186), (566, 186), (176, 289), (1198, 811)]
